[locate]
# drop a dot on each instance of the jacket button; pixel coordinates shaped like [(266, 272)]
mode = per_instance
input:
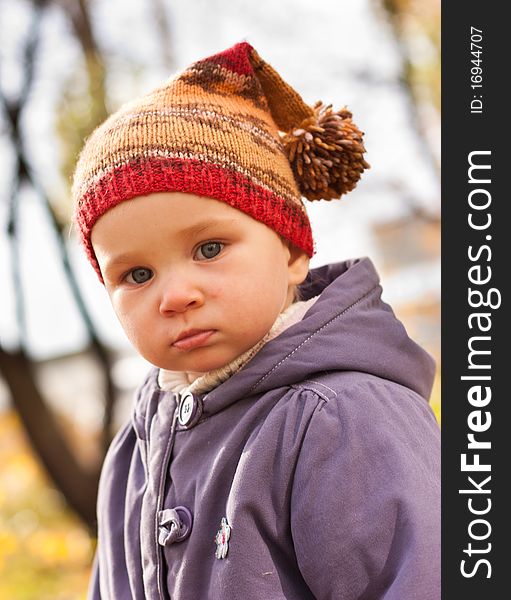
[(189, 411), (175, 525)]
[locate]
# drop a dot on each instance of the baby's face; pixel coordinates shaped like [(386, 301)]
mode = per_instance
[(193, 281)]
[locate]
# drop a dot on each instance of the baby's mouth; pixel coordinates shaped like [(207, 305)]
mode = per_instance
[(192, 338)]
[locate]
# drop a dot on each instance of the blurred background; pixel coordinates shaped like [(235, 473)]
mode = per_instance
[(67, 373)]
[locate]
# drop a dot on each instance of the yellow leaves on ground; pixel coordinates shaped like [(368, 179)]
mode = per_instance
[(45, 553)]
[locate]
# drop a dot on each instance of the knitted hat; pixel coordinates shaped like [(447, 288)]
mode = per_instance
[(229, 128)]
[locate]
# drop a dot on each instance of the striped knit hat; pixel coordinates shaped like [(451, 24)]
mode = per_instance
[(228, 128)]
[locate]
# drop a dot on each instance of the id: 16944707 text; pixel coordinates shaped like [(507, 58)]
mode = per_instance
[(476, 70)]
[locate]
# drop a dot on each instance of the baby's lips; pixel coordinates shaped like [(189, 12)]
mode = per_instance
[(192, 338)]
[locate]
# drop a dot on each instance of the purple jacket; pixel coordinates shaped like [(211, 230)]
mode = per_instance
[(311, 473)]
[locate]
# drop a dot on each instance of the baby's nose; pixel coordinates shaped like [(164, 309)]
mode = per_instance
[(179, 295)]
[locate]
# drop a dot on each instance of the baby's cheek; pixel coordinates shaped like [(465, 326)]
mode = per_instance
[(132, 321), (132, 332), (254, 319), (215, 291)]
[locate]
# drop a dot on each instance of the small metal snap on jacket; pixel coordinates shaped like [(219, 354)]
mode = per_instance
[(189, 411), (175, 525)]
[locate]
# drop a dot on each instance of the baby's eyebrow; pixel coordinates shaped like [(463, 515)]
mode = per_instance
[(203, 226), (118, 260)]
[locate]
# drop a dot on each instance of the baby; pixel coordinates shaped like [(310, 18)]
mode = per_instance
[(282, 446)]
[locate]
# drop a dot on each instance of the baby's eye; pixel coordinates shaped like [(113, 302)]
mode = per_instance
[(139, 275), (208, 250)]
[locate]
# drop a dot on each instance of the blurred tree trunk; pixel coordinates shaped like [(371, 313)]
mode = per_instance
[(397, 13), (163, 27), (77, 484)]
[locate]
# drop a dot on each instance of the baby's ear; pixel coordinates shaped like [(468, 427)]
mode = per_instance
[(298, 264)]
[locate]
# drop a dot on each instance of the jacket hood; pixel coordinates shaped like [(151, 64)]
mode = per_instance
[(348, 328)]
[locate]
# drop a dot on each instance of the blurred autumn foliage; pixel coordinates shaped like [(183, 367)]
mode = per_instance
[(416, 25), (45, 552)]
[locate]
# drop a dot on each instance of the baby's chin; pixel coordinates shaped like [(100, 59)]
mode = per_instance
[(198, 361)]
